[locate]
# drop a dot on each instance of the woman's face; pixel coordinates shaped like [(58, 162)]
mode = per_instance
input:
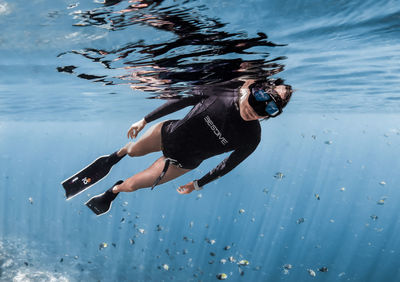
[(246, 111)]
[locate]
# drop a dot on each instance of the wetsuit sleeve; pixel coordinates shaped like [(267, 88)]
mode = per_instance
[(173, 105), (233, 160)]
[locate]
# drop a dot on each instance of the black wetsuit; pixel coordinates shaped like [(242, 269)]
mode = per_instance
[(213, 126)]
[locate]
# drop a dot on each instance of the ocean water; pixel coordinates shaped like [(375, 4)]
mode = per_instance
[(319, 193)]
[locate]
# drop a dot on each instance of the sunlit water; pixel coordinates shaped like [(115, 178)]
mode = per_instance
[(336, 145)]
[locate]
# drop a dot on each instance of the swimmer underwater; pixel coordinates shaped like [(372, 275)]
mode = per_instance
[(216, 124)]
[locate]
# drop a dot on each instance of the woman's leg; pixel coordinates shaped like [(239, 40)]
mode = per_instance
[(147, 177), (149, 142)]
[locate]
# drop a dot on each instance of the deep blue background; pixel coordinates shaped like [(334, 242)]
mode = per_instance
[(342, 59)]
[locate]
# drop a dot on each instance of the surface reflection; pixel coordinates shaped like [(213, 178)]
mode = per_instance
[(201, 52)]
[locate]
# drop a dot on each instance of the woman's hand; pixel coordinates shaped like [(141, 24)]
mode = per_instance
[(136, 128), (186, 189)]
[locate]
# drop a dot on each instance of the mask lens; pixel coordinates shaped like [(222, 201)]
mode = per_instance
[(272, 108), (263, 104)]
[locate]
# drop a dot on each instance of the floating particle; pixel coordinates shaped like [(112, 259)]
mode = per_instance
[(210, 241), (349, 161), (232, 259), (131, 241), (279, 175), (374, 217), (253, 219), (328, 142), (74, 5), (227, 247), (317, 197), (381, 202), (122, 220), (103, 245), (222, 276), (341, 274), (265, 191), (159, 228), (114, 245), (185, 251), (300, 220), (199, 196), (343, 189), (210, 262), (383, 183), (285, 272), (244, 262), (223, 261), (241, 271), (323, 269), (331, 220), (241, 211), (287, 266), (185, 239), (212, 254), (311, 272), (141, 230), (313, 137), (30, 200), (62, 259), (191, 224), (124, 204), (165, 266)]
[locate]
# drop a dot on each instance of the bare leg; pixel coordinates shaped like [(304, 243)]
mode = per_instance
[(147, 177), (149, 142)]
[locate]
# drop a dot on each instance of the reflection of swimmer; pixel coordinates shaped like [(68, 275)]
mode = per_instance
[(215, 125)]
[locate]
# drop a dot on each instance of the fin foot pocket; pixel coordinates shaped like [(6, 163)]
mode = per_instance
[(102, 203)]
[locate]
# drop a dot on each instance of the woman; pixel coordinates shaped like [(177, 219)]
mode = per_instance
[(215, 125)]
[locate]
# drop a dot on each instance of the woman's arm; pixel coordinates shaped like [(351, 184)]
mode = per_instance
[(171, 106), (232, 161)]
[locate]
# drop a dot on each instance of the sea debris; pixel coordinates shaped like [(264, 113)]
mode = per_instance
[(241, 211), (317, 196), (227, 247), (30, 199), (210, 241), (244, 262), (199, 196), (287, 266), (323, 269), (381, 201), (383, 183), (311, 272), (159, 228), (141, 230), (131, 241), (223, 261), (191, 224), (328, 142), (300, 220), (374, 217), (222, 276), (232, 259), (279, 175), (165, 266), (103, 245), (343, 189), (265, 191)]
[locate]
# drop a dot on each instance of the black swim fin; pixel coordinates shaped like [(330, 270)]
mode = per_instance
[(90, 175), (101, 204)]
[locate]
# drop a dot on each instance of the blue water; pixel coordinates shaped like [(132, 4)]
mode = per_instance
[(337, 139)]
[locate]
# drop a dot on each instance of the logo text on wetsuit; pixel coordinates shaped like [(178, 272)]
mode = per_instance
[(215, 130)]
